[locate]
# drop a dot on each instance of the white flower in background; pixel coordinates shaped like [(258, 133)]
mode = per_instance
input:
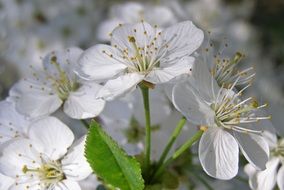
[(274, 173), (47, 160), (140, 52), (47, 90), (12, 124), (133, 12), (229, 122)]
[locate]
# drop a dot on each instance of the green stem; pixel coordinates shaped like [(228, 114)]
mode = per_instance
[(177, 153), (172, 139), (145, 93), (85, 123)]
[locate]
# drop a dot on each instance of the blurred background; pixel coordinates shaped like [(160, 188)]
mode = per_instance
[(29, 29)]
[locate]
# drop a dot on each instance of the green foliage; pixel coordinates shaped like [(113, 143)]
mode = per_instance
[(110, 162)]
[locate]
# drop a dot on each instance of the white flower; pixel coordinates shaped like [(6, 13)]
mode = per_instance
[(274, 173), (133, 12), (229, 123), (46, 91), (12, 124), (47, 160), (140, 52)]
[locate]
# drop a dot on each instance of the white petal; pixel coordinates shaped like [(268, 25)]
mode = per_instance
[(53, 135), (162, 75), (191, 105), (143, 33), (33, 101), (66, 59), (203, 80), (267, 179), (269, 132), (106, 28), (100, 62), (254, 148), (182, 39), (83, 104), (219, 153), (74, 164), (12, 124), (5, 182), (67, 185), (120, 86), (280, 178), (251, 172), (17, 154)]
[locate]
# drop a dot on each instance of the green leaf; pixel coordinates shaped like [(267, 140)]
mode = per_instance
[(110, 162)]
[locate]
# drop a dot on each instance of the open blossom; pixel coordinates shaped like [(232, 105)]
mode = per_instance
[(274, 172), (12, 124), (47, 160), (140, 52), (133, 12), (47, 90), (229, 122)]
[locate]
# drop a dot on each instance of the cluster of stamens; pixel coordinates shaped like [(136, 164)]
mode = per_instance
[(142, 57), (40, 172), (230, 111), (60, 82), (278, 151), (63, 85), (225, 71)]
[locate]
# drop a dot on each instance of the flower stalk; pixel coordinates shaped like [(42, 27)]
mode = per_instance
[(145, 94)]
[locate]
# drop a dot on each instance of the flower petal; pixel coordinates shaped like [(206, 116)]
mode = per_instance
[(53, 135), (83, 104), (74, 164), (12, 124), (267, 179), (120, 86), (66, 59), (35, 100), (181, 39), (254, 148), (219, 153), (162, 75), (142, 32), (17, 154), (204, 82), (280, 178), (100, 62), (251, 172), (5, 182), (190, 104)]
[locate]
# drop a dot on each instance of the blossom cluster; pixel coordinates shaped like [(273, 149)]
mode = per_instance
[(193, 95)]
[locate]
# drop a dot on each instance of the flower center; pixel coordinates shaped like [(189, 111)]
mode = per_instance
[(230, 112), (48, 173), (62, 84), (279, 150), (225, 71)]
